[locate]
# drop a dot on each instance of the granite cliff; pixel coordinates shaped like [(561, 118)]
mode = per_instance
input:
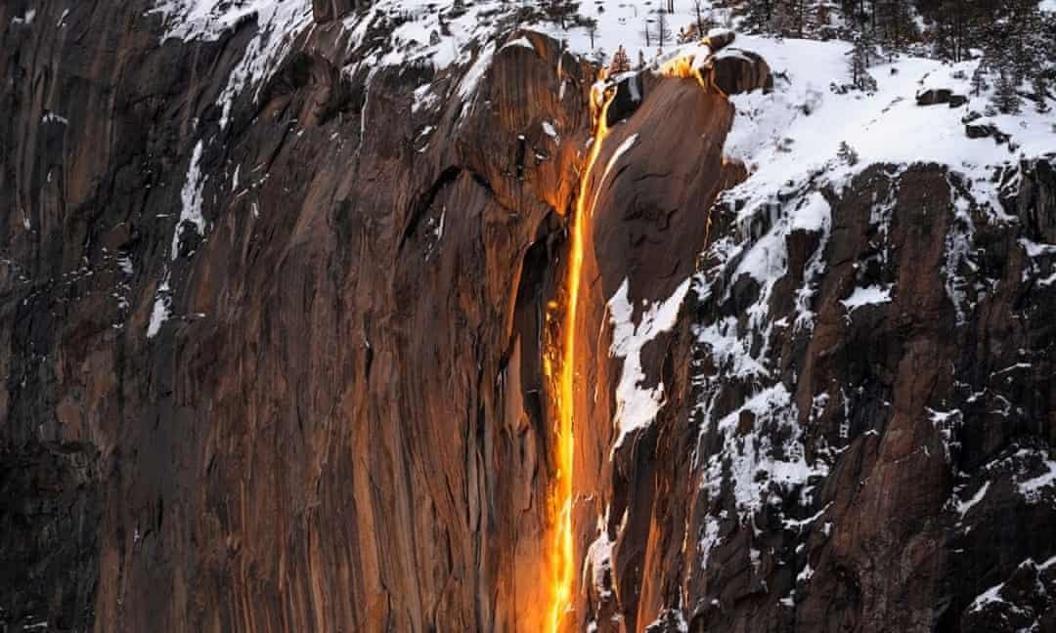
[(281, 311)]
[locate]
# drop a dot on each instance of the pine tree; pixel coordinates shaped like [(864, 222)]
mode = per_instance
[(894, 24), (1006, 98), (758, 15), (788, 18), (952, 31), (979, 85), (856, 17), (816, 19), (1018, 43), (1040, 86), (863, 55)]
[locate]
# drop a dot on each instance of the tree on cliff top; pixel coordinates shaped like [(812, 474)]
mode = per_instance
[(863, 55)]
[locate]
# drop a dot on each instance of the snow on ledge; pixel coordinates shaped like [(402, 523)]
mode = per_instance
[(869, 295), (636, 405)]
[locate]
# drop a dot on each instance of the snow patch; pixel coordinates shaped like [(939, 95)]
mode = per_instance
[(637, 405), (191, 197), (1031, 489), (869, 295), (964, 506), (161, 310)]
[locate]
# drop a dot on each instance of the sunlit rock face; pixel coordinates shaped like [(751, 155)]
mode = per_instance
[(316, 402), (282, 310)]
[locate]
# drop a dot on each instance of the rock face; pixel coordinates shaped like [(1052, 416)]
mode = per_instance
[(328, 10), (274, 355), (901, 487), (318, 406)]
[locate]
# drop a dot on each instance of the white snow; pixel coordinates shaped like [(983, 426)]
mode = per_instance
[(1031, 489), (548, 129), (623, 23), (191, 197), (51, 117), (521, 41), (26, 19), (599, 557), (806, 136), (278, 23), (867, 296), (1032, 470), (160, 312), (424, 98), (125, 264), (468, 86), (622, 149), (964, 506), (797, 129), (752, 461), (636, 405), (993, 594)]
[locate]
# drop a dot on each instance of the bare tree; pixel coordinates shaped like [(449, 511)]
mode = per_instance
[(647, 32), (592, 30), (663, 30)]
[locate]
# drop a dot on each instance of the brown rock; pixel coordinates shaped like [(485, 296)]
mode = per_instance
[(735, 71)]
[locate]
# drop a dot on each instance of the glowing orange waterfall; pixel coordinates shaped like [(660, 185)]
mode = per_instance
[(562, 555), (561, 569)]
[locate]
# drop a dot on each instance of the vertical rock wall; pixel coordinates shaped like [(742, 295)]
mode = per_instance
[(273, 361)]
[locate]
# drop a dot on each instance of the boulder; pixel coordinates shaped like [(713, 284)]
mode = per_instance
[(933, 96), (735, 71), (976, 131), (719, 38)]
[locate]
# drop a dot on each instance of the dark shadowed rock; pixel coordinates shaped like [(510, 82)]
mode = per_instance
[(630, 90), (329, 10), (935, 96), (734, 71)]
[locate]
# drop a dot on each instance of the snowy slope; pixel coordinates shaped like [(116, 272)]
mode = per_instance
[(797, 129)]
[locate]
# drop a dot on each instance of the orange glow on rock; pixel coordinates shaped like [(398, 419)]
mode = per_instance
[(561, 547), (684, 67)]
